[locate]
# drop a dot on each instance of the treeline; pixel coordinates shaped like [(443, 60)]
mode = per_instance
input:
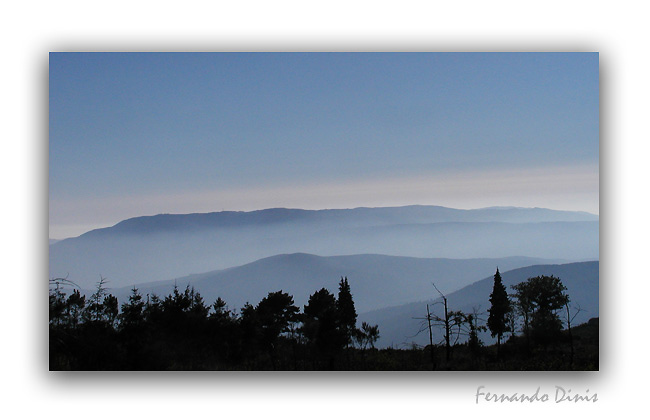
[(531, 317), (536, 303), (181, 332)]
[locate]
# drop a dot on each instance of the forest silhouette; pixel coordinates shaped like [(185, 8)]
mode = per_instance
[(182, 332)]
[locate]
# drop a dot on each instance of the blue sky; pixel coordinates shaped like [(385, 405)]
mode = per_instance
[(146, 133)]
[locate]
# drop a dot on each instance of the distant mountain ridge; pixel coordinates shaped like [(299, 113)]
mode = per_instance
[(152, 248), (360, 216)]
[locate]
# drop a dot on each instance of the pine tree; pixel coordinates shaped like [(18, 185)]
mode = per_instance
[(95, 311), (346, 310), (321, 325), (275, 312), (499, 310), (74, 308), (132, 312)]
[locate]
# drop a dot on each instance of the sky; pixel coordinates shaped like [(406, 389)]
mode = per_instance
[(134, 134)]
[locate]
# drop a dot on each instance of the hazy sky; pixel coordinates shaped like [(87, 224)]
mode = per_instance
[(138, 134)]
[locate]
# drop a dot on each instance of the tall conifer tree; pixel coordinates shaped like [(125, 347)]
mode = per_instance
[(346, 310), (499, 310)]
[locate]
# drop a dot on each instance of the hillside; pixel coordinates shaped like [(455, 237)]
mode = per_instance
[(153, 248), (377, 281)]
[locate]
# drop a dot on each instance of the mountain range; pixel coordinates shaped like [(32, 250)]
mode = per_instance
[(392, 257), (154, 248)]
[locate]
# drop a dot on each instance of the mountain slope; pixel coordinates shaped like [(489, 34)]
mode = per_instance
[(376, 280), (398, 326), (153, 248)]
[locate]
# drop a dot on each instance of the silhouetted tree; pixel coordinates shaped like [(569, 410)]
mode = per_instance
[(176, 303), (74, 308), (223, 333), (346, 311), (97, 345), (474, 343), (59, 308), (111, 309), (152, 309), (133, 332), (367, 335), (95, 311), (499, 310), (220, 310), (62, 340), (446, 322), (183, 324), (132, 312), (198, 310), (569, 320), (321, 324), (538, 299), (250, 330), (275, 312)]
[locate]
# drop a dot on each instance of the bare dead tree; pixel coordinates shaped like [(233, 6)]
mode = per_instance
[(569, 319), (431, 350), (453, 323), (61, 281), (446, 323), (57, 301), (426, 325), (449, 321)]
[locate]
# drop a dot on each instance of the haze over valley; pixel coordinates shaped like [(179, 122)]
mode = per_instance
[(391, 256), (164, 247)]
